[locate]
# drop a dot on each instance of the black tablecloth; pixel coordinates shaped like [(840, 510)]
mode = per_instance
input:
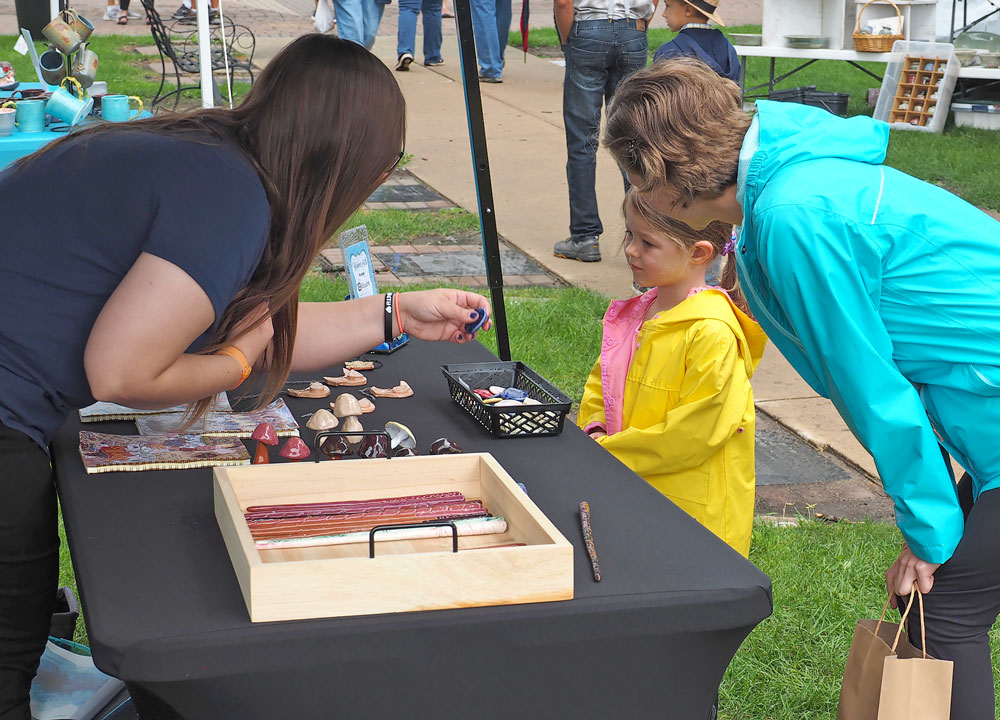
[(651, 640)]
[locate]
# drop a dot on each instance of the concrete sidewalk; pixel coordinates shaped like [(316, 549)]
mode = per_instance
[(527, 149)]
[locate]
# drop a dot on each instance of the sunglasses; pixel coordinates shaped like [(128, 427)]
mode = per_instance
[(396, 162)]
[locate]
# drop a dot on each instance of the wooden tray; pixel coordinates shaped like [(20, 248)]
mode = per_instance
[(405, 575)]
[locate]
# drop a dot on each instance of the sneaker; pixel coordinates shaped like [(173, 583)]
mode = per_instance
[(433, 63), (111, 13), (584, 249), (403, 63), (182, 12), (192, 19), (133, 15), (490, 79)]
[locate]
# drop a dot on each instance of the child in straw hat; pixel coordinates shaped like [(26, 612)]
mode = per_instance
[(695, 37)]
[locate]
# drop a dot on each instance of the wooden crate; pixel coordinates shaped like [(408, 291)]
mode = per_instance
[(405, 575)]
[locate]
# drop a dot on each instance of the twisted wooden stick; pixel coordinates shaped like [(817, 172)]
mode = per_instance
[(588, 539)]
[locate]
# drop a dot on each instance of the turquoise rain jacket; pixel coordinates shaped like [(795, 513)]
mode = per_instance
[(883, 292)]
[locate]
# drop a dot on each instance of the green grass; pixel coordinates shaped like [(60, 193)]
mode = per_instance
[(389, 227), (125, 69), (825, 578)]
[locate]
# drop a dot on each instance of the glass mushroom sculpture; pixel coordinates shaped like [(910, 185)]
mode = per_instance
[(264, 435), (348, 409), (295, 449)]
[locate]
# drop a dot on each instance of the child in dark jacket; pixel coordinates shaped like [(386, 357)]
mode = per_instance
[(689, 19)]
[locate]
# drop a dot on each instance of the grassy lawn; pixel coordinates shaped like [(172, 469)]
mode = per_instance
[(953, 159), (389, 227)]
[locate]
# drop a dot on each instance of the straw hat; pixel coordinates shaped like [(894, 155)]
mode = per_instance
[(707, 8)]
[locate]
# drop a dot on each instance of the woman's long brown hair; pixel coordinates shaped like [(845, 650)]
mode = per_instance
[(322, 125)]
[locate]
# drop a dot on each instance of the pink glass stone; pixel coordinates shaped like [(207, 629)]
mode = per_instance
[(295, 449)]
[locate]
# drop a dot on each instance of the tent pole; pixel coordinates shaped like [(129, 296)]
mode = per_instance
[(481, 168)]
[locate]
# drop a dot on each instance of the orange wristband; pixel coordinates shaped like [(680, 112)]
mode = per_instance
[(245, 367), (399, 318)]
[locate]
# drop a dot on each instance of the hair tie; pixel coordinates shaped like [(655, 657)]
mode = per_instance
[(730, 245)]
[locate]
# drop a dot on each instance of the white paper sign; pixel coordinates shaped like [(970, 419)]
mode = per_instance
[(21, 47)]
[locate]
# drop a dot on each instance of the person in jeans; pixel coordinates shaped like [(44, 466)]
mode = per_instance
[(406, 34), (358, 20), (603, 41), (491, 26)]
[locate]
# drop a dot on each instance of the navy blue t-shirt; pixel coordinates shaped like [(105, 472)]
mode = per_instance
[(75, 219), (708, 45)]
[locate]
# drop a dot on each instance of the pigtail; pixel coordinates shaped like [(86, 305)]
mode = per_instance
[(730, 282)]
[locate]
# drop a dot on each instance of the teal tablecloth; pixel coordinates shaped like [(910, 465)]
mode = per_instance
[(18, 144)]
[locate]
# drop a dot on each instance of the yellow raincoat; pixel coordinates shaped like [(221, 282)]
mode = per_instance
[(682, 415)]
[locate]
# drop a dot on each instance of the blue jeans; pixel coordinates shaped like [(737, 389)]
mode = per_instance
[(599, 54), (358, 20), (406, 35), (491, 27)]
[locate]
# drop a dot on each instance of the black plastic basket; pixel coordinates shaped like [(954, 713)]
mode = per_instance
[(508, 421), (835, 102), (797, 94)]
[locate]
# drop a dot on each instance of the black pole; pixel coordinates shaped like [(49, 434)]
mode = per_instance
[(481, 167)]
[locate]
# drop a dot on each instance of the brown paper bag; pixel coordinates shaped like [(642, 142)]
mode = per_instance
[(886, 678)]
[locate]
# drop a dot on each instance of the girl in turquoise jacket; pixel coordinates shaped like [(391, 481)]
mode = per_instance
[(882, 291)]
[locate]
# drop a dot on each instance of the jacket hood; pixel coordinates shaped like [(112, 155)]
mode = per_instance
[(710, 303), (791, 133)]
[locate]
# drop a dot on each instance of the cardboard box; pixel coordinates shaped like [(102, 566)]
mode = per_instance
[(404, 575)]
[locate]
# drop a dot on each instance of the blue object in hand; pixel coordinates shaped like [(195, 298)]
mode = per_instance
[(473, 327)]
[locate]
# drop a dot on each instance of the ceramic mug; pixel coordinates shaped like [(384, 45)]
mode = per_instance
[(83, 27), (29, 116), (7, 119), (66, 106), (85, 68), (60, 32), (117, 108), (52, 64), (28, 94), (99, 87)]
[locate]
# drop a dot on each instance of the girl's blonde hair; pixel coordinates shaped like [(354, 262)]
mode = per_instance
[(678, 123), (717, 233)]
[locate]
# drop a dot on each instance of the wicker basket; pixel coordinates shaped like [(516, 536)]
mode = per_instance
[(863, 42), (508, 421)]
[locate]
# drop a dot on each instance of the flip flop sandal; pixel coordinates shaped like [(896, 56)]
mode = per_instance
[(123, 19)]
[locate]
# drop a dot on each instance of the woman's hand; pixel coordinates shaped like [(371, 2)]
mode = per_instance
[(595, 434), (900, 576), (440, 314), (253, 343)]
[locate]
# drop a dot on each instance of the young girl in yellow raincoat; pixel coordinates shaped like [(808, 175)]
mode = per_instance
[(670, 393)]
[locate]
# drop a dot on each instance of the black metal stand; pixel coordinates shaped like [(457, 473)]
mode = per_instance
[(773, 79), (481, 167)]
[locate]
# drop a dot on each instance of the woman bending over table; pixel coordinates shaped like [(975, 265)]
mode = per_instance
[(119, 285), (882, 291)]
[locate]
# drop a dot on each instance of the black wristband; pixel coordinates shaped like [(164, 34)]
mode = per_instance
[(389, 334)]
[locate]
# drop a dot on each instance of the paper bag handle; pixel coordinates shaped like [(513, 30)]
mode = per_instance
[(902, 620)]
